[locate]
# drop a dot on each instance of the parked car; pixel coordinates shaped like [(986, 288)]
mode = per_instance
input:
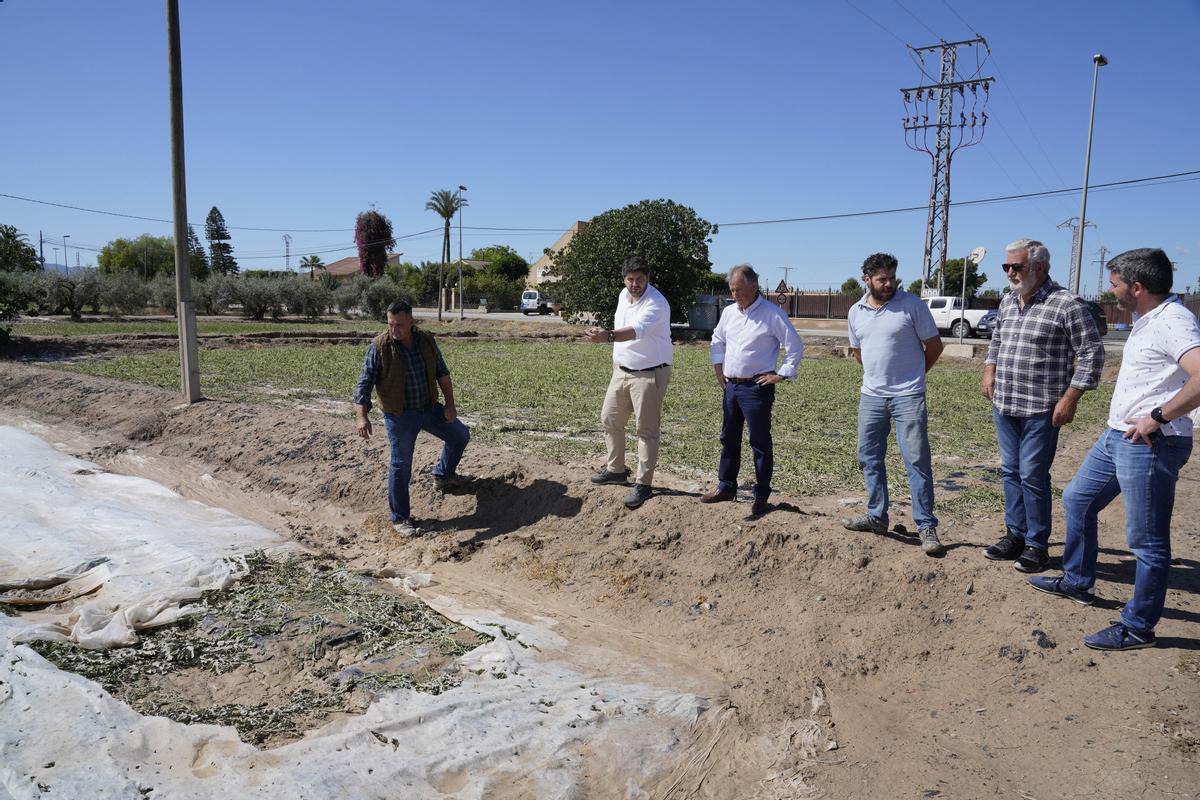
[(987, 323), (1098, 315), (949, 315), (534, 301)]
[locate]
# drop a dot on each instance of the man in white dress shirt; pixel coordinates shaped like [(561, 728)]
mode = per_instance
[(1139, 455), (745, 355), (641, 339)]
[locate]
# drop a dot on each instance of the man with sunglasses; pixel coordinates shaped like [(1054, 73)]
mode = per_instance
[(1045, 353), (1139, 455)]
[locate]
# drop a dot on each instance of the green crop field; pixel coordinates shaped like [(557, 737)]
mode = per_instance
[(545, 397)]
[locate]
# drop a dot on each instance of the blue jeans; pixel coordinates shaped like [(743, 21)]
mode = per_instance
[(747, 405), (1027, 447), (1144, 475), (402, 430), (875, 415)]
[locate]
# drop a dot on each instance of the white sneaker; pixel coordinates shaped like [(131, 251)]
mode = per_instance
[(930, 543), (407, 528)]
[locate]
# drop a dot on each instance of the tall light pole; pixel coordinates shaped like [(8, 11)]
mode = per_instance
[(55, 249), (66, 261), (1099, 61), (458, 194)]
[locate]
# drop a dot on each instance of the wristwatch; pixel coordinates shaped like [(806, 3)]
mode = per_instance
[(611, 336), (1156, 415)]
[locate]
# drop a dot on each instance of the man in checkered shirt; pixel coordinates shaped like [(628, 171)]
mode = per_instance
[(1045, 353)]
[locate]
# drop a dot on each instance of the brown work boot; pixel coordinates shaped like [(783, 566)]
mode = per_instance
[(718, 496)]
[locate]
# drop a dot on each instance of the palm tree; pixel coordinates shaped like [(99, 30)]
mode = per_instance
[(313, 263), (445, 204)]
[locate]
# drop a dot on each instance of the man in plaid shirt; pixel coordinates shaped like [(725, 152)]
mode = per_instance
[(1045, 353)]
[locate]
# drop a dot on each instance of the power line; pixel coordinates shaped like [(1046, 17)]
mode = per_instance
[(877, 23), (1174, 177), (170, 221), (920, 21), (1189, 175)]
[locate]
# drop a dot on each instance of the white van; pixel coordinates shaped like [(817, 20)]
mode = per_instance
[(534, 301)]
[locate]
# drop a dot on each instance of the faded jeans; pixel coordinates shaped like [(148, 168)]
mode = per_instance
[(875, 417), (1027, 446), (1144, 475), (402, 430)]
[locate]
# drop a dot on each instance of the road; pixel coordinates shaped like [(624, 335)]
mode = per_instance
[(1114, 342)]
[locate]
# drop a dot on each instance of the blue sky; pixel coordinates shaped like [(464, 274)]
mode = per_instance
[(301, 114)]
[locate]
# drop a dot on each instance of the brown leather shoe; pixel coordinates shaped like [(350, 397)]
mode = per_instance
[(760, 506), (718, 496)]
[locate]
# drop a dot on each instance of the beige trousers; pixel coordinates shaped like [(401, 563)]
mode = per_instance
[(640, 394)]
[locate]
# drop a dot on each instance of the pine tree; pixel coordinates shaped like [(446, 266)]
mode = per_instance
[(197, 257), (221, 251)]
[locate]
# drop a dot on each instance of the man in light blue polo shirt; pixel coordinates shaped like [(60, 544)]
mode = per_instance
[(894, 337)]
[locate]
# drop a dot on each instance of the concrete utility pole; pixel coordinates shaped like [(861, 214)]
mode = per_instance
[(1076, 244), (42, 251), (1099, 61), (189, 358), (66, 260), (461, 189), (1100, 282), (941, 119), (786, 270)]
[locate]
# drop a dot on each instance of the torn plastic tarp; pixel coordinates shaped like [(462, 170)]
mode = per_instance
[(519, 725), (151, 550)]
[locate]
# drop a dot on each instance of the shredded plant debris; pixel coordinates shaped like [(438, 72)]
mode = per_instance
[(289, 644)]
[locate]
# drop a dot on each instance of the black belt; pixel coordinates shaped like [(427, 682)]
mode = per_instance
[(647, 369), (744, 381)]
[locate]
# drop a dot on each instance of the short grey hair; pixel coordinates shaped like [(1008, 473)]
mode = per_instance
[(746, 271), (1037, 252)]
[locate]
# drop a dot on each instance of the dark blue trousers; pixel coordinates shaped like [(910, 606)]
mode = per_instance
[(747, 405)]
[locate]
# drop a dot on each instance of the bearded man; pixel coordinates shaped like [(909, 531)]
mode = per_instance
[(1045, 353), (894, 337)]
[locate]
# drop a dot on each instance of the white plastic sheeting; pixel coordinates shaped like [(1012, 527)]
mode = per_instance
[(151, 550), (523, 726)]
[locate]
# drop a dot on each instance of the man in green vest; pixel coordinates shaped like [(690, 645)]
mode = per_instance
[(405, 368)]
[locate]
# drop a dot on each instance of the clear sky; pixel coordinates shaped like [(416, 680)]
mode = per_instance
[(301, 114)]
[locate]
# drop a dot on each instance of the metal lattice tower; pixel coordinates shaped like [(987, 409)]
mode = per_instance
[(1076, 231), (287, 252), (940, 118)]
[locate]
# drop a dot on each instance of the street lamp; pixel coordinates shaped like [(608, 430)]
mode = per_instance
[(461, 189), (66, 261), (1099, 61)]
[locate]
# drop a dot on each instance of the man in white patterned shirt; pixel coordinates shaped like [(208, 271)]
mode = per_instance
[(1148, 440), (745, 352), (641, 339), (1045, 353)]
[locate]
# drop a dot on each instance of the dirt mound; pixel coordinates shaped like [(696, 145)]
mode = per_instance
[(925, 677)]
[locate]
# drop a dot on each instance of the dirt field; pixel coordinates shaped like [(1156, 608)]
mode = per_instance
[(924, 677)]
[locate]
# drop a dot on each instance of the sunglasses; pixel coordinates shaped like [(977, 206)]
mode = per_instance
[(1013, 267)]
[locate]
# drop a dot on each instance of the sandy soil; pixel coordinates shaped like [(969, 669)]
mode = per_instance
[(924, 677)]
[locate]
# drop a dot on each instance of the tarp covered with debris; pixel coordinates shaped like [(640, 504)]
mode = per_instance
[(124, 553)]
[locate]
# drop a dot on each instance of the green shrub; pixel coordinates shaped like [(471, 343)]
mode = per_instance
[(258, 296), (380, 294), (125, 293)]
